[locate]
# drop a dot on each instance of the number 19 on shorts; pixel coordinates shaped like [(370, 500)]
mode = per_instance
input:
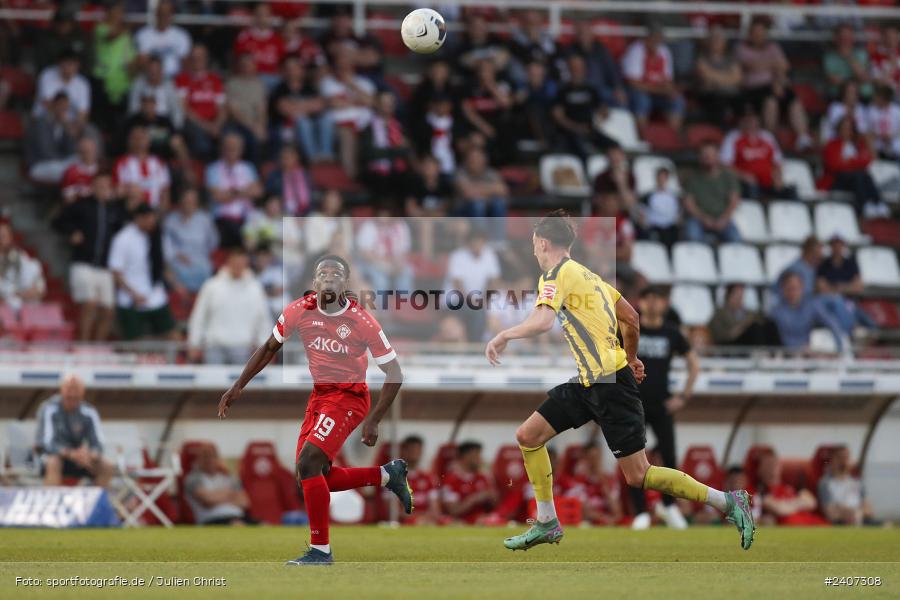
[(323, 426)]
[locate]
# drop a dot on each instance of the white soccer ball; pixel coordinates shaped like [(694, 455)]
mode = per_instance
[(423, 31)]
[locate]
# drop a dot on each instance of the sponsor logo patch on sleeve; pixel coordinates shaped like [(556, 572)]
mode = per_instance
[(548, 292)]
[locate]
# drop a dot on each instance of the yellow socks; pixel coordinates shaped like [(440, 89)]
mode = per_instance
[(540, 472), (675, 483)]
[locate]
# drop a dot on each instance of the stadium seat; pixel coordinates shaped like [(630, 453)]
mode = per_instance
[(789, 221), (878, 267), (794, 472), (662, 137), (332, 176), (570, 458), (508, 468), (885, 313), (652, 260), (836, 218), (45, 321), (751, 462), (884, 172), (269, 485), (596, 164), (777, 257), (444, 456), (694, 262), (700, 133), (10, 325), (821, 341), (11, 127), (621, 126), (21, 83), (694, 304), (644, 169), (563, 175), (700, 463), (740, 263), (798, 174), (750, 220), (569, 509)]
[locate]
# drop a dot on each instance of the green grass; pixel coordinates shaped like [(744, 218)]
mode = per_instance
[(436, 563)]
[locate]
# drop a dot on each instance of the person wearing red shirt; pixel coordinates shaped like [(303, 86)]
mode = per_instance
[(885, 60), (468, 494), (140, 176), (648, 68), (598, 490), (755, 155), (846, 159), (77, 180), (263, 43), (302, 46), (203, 95), (423, 484), (781, 503)]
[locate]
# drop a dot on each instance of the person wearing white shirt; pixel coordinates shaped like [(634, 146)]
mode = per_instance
[(648, 68), (64, 77), (153, 83), (471, 270), (883, 123), (383, 244), (136, 260), (234, 185), (848, 104), (165, 40)]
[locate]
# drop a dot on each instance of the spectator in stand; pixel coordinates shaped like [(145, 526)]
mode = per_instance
[(349, 98), (885, 59), (245, 99), (766, 84), (601, 502), (203, 98), (795, 314), (327, 230), (487, 109), (64, 77), (883, 123), (297, 114), (422, 482), (303, 47), (234, 186), (733, 324), (616, 184), (383, 244), (231, 316), (189, 238), (602, 72), (841, 493), (476, 44), (659, 213), (114, 55), (467, 493), (214, 495), (839, 273), (270, 274), (435, 84), (63, 35), (89, 226), (50, 143), (472, 270), (846, 159), (578, 107), (719, 78), (781, 503), (531, 42), (136, 260), (291, 184), (430, 192), (847, 105), (342, 34), (76, 180), (153, 83), (141, 176), (647, 66), (263, 43), (165, 40), (710, 198), (482, 195), (69, 437), (384, 152), (756, 157), (21, 276), (533, 108), (165, 142), (264, 226), (846, 62)]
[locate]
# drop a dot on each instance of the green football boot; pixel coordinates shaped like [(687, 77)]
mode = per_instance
[(539, 533), (739, 514)]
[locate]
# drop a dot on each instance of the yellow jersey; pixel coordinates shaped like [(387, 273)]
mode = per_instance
[(585, 308)]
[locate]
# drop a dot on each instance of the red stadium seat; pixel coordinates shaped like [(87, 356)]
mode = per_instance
[(163, 502), (570, 458), (751, 462), (10, 325), (11, 127), (269, 485), (508, 469), (884, 312), (45, 321), (810, 98), (382, 455), (568, 510), (701, 133), (445, 455), (662, 137), (794, 472), (328, 176), (21, 84), (700, 463)]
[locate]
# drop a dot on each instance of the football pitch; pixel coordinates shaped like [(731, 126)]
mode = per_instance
[(425, 563)]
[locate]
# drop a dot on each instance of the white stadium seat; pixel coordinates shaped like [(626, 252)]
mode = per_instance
[(694, 304), (789, 221), (644, 169), (621, 126), (596, 164), (885, 173), (751, 297), (750, 220), (836, 218), (878, 266), (740, 263), (777, 258), (822, 340), (651, 259), (554, 164), (797, 173), (694, 262)]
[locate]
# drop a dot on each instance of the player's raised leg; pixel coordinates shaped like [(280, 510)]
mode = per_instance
[(639, 473), (391, 475), (532, 436)]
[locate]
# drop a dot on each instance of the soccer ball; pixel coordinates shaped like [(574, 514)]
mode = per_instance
[(423, 31)]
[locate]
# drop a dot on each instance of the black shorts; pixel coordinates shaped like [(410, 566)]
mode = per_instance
[(615, 406), (69, 469)]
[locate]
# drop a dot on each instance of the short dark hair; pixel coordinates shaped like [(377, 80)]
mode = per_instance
[(412, 440), (655, 290), (335, 258), (734, 470), (467, 447), (557, 227)]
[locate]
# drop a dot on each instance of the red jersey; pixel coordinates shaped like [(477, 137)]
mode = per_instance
[(202, 94), (265, 45), (591, 493), (335, 343), (756, 155), (459, 486), (77, 180)]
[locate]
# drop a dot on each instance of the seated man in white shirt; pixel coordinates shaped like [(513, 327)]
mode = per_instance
[(214, 495), (64, 77), (165, 40)]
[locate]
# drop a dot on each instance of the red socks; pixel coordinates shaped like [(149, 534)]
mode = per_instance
[(340, 479), (318, 501)]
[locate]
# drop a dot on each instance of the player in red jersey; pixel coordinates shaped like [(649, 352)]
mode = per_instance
[(336, 332)]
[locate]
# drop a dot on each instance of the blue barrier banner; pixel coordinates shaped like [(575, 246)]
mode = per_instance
[(56, 507)]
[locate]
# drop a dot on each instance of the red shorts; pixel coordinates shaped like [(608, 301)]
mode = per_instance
[(331, 416)]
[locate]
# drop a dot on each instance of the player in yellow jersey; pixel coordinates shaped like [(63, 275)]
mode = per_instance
[(591, 312)]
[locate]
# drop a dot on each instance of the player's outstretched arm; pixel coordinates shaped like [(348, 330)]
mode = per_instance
[(630, 326), (392, 382), (539, 321), (257, 362)]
